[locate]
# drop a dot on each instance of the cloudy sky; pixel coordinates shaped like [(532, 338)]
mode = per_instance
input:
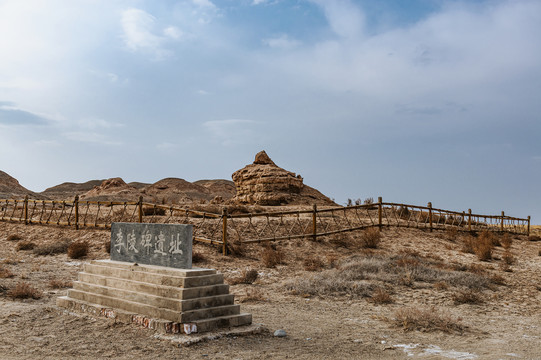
[(414, 101)]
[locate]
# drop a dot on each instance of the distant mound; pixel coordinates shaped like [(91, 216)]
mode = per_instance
[(225, 189), (265, 183), (11, 189), (174, 190), (114, 189), (68, 190)]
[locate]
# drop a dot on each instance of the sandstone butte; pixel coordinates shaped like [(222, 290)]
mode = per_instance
[(265, 183)]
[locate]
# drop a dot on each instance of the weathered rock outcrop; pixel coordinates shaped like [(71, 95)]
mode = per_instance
[(112, 189), (265, 183)]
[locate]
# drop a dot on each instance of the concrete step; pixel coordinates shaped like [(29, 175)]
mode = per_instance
[(158, 290), (159, 325), (130, 306), (155, 269), (152, 310), (174, 302), (153, 278)]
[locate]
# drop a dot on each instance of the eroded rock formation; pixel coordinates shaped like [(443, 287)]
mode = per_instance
[(265, 183)]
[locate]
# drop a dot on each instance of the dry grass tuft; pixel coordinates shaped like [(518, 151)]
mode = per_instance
[(467, 297), (5, 273), (381, 296), (59, 284), (24, 290), (14, 237), (441, 285), (235, 248), (78, 249), (253, 295), (534, 238), (426, 319), (247, 277), (498, 279), (52, 249), (506, 241), (272, 257), (25, 245), (312, 263), (468, 244), (484, 246), (371, 238), (452, 234), (153, 211), (508, 258), (198, 257)]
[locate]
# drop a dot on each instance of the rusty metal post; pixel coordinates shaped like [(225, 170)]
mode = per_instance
[(380, 212), (26, 210), (76, 203), (469, 219), (224, 230), (503, 217), (140, 204), (430, 215), (314, 222), (529, 218)]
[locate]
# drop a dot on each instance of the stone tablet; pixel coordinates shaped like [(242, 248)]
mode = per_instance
[(152, 244)]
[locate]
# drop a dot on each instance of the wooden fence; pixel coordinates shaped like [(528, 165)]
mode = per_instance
[(245, 228)]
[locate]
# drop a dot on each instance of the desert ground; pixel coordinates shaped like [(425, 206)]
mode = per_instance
[(420, 295)]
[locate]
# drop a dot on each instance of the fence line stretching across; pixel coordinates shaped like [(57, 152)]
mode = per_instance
[(244, 228)]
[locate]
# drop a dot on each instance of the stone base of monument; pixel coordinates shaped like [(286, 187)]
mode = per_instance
[(161, 298)]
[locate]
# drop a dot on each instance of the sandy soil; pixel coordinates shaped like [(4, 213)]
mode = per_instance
[(506, 326)]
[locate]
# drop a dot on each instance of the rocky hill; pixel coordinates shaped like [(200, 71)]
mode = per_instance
[(11, 189), (265, 183)]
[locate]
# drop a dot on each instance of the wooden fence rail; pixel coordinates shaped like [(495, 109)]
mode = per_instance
[(220, 229)]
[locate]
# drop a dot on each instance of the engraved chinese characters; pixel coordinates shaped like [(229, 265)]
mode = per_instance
[(153, 244)]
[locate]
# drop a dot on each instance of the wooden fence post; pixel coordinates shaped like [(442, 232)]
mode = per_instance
[(469, 219), (501, 225), (380, 212), (140, 204), (26, 210), (224, 230), (76, 203), (430, 215), (314, 222), (528, 231)]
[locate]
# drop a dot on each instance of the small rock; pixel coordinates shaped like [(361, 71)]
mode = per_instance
[(280, 333)]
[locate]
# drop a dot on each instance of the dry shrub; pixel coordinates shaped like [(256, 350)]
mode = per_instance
[(489, 237), (198, 257), (484, 246), (534, 238), (441, 285), (332, 260), (344, 240), (506, 241), (452, 233), (271, 257), (52, 249), (14, 237), (235, 248), (539, 252), (5, 273), (312, 263), (468, 244), (253, 295), (497, 279), (426, 319), (24, 290), (467, 297), (247, 277), (477, 269), (59, 284), (381, 296), (25, 245), (107, 246), (153, 211), (505, 267), (371, 238), (78, 249), (508, 258)]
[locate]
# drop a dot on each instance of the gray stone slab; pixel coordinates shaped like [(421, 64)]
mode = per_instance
[(152, 244)]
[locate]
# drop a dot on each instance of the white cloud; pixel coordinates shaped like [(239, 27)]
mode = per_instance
[(282, 42), (89, 137), (257, 2), (204, 3), (202, 92), (173, 32)]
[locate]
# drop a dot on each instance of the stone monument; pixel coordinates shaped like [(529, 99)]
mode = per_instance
[(149, 280)]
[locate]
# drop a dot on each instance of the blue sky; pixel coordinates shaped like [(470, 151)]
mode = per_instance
[(415, 101)]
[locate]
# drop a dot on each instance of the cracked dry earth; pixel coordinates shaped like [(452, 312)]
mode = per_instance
[(506, 325)]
